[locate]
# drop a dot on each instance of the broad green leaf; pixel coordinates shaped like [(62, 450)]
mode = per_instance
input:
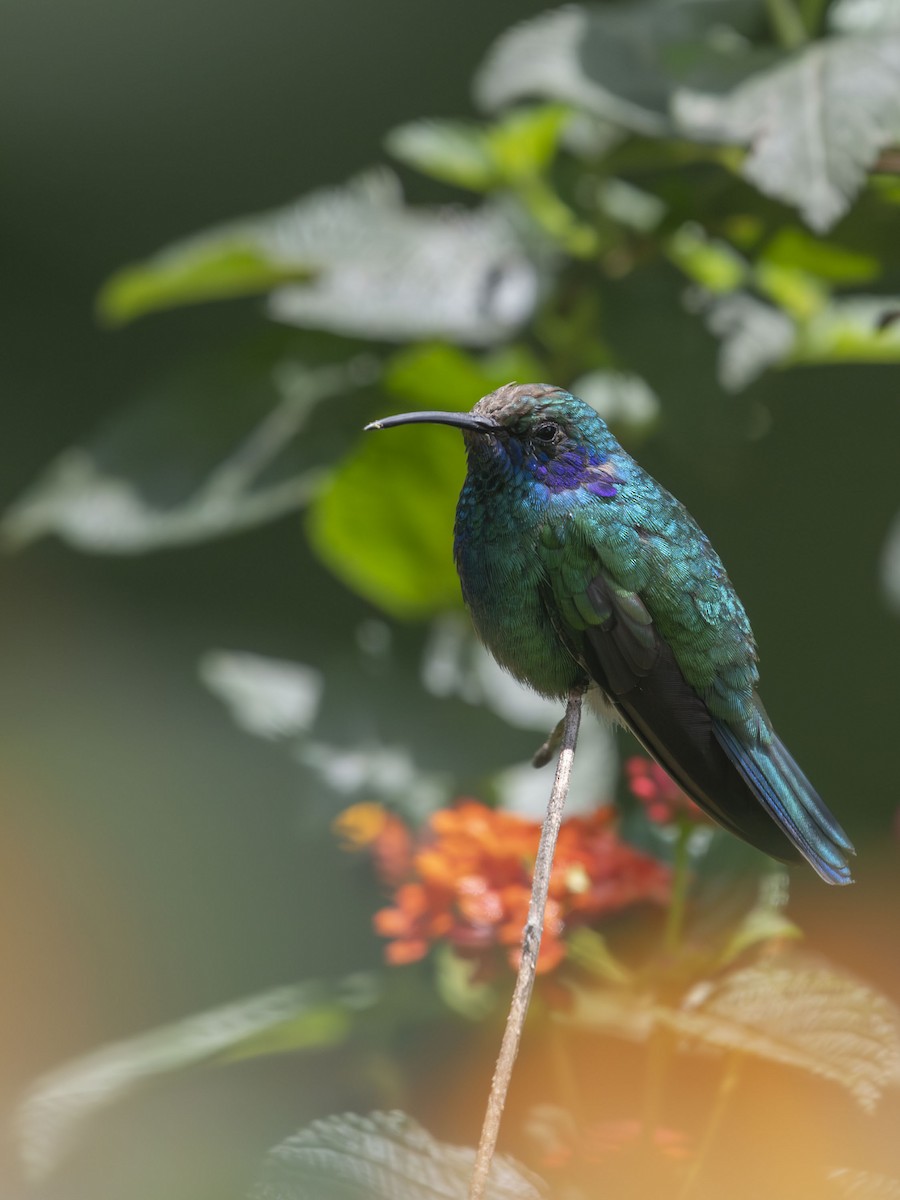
[(383, 1156), (755, 336), (384, 522), (785, 1008), (813, 124), (708, 261), (524, 141), (792, 247), (851, 329), (520, 145), (373, 267), (304, 1016), (441, 376), (453, 151), (207, 454), (620, 62), (217, 266), (796, 292)]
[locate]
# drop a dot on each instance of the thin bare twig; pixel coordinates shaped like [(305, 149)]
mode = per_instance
[(531, 944)]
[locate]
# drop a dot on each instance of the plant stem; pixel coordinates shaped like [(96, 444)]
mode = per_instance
[(727, 1084), (531, 944), (787, 23), (680, 880)]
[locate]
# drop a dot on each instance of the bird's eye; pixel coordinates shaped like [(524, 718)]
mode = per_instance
[(546, 432)]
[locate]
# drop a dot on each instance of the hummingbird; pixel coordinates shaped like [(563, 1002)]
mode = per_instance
[(579, 570)]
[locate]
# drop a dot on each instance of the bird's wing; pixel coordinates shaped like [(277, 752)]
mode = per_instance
[(743, 779)]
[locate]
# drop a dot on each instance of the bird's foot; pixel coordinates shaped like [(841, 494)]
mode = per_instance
[(549, 749)]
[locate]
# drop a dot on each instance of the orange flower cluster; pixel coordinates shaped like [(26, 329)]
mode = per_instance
[(466, 878), (663, 800)]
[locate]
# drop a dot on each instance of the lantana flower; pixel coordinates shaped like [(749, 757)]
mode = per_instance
[(468, 880)]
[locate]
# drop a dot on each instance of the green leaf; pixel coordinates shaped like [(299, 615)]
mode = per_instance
[(786, 1008), (851, 329), (753, 336), (206, 454), (384, 522), (453, 151), (800, 1012), (708, 261), (524, 142), (372, 267), (620, 62), (384, 1156), (456, 987), (518, 146), (305, 1016), (792, 247), (763, 924), (809, 145), (217, 266)]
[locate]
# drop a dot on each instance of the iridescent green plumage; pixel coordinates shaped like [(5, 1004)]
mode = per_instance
[(577, 566)]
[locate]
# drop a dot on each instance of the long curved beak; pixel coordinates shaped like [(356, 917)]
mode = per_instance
[(461, 420)]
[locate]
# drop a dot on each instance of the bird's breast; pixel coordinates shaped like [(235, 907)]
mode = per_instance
[(503, 585)]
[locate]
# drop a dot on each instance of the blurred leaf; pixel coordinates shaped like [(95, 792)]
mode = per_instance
[(784, 1008), (792, 247), (305, 1016), (590, 950), (215, 266), (458, 990), (708, 261), (796, 292), (213, 453), (396, 273), (863, 16), (453, 151), (384, 522), (625, 401), (520, 145), (373, 267), (267, 697), (384, 1156), (761, 924), (809, 145), (863, 1185), (620, 62), (850, 329), (801, 1012), (753, 335)]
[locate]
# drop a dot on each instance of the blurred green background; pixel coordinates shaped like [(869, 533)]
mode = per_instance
[(154, 859)]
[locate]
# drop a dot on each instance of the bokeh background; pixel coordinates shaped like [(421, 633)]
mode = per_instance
[(156, 860)]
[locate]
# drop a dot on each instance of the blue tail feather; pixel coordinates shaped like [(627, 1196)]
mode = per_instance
[(791, 801)]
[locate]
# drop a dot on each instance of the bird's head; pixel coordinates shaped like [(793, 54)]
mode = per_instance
[(532, 432)]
